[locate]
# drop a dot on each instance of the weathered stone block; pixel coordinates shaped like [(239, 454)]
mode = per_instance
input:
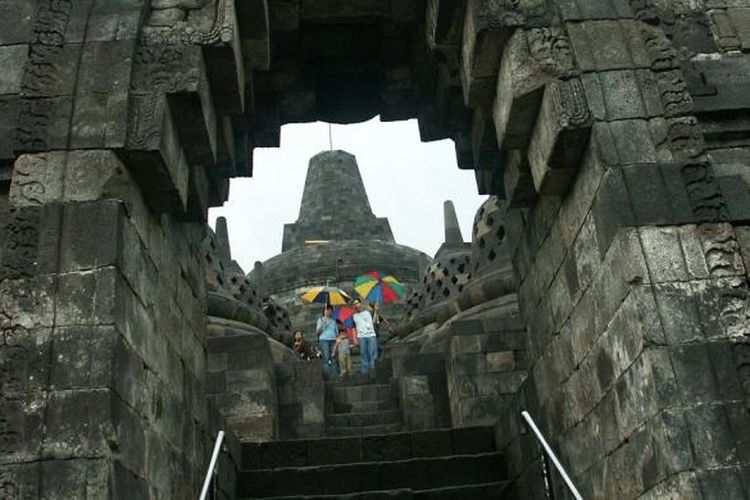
[(531, 59), (330, 451), (660, 247), (611, 210), (13, 58), (517, 180), (10, 107), (607, 45), (24, 361), (712, 436), (740, 18), (284, 454), (586, 10), (96, 357), (91, 222), (22, 480), (238, 343), (83, 424), (17, 18), (501, 361), (66, 176), (444, 22), (624, 93), (466, 344), (255, 379), (560, 136), (386, 447), (487, 26), (78, 479), (684, 485), (22, 428), (113, 21), (27, 303), (51, 70), (43, 124), (467, 364)]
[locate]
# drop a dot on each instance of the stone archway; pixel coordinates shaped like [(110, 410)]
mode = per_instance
[(613, 129)]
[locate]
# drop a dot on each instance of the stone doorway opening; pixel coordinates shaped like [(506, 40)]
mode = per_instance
[(391, 179), (406, 181)]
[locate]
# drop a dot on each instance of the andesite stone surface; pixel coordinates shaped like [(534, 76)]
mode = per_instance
[(608, 289)]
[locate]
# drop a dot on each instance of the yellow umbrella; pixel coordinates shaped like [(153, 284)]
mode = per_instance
[(325, 295)]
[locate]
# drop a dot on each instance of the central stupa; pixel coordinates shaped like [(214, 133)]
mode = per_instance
[(335, 205), (335, 239)]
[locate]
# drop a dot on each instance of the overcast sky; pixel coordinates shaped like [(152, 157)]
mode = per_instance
[(406, 181)]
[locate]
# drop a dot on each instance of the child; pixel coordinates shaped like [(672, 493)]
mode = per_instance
[(342, 351)]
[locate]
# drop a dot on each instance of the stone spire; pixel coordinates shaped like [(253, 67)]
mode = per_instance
[(452, 229), (222, 239), (335, 205), (454, 243), (223, 248)]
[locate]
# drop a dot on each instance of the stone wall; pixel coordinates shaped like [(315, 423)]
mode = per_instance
[(485, 367), (102, 359), (241, 380), (423, 389), (301, 398), (629, 251)]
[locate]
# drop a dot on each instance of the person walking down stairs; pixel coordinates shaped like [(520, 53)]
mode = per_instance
[(342, 352), (327, 333), (368, 341)]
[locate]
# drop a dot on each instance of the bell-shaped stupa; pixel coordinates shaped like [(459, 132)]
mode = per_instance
[(336, 238)]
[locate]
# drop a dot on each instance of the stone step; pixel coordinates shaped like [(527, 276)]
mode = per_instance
[(415, 473), (369, 392), (366, 406), (376, 448), (355, 378), (363, 430), (483, 491), (357, 393), (360, 419)]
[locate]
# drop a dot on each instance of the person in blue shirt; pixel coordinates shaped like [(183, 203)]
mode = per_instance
[(327, 332)]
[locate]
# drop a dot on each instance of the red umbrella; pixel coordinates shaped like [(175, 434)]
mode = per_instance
[(344, 314)]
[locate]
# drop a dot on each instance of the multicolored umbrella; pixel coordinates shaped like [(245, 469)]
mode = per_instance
[(325, 295), (344, 314), (378, 288)]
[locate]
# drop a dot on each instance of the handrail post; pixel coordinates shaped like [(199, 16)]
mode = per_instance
[(547, 452), (212, 472), (549, 491)]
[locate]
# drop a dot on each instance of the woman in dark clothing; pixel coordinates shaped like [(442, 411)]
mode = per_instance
[(302, 347)]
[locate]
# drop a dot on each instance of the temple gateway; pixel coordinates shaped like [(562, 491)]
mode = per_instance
[(591, 340)]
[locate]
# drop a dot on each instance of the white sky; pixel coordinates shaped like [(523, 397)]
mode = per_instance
[(406, 181)]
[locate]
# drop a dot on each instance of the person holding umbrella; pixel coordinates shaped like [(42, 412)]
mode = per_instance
[(327, 333), (368, 341), (379, 289)]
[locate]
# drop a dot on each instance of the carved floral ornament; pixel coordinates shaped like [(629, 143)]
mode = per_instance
[(203, 22)]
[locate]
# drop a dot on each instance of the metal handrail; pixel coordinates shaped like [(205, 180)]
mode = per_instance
[(212, 471), (551, 454)]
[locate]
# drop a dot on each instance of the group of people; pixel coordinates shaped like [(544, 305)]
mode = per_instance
[(336, 345)]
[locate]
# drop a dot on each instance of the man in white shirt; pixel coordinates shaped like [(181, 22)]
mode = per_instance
[(368, 342)]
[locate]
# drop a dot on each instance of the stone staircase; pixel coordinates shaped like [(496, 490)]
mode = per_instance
[(359, 405), (434, 464)]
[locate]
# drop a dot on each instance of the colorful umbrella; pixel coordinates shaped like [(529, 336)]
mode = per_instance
[(378, 288), (344, 314), (325, 295)]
